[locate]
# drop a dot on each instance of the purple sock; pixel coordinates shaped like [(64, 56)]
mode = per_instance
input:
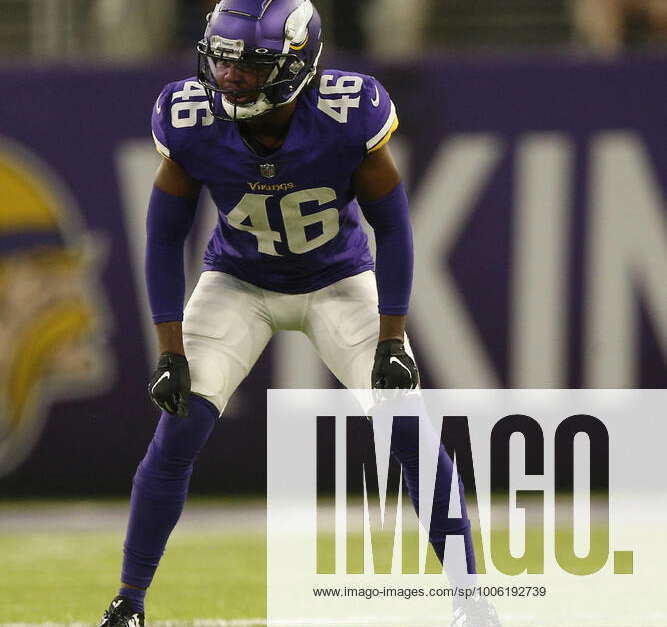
[(405, 447), (135, 595), (160, 488)]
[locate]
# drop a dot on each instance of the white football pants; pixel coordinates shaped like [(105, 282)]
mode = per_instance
[(227, 324)]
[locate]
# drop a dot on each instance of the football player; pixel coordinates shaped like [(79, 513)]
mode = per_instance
[(289, 155)]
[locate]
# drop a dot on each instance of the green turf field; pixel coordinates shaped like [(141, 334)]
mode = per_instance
[(56, 574), (66, 574), (65, 577)]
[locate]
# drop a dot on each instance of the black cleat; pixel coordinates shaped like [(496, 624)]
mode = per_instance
[(475, 612), (122, 614)]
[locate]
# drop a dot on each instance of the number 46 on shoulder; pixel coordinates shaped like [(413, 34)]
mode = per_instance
[(337, 108)]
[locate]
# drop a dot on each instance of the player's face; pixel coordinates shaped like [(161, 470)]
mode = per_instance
[(243, 79)]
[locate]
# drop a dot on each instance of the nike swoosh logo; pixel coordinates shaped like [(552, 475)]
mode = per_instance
[(158, 106), (395, 360), (165, 375), (376, 101)]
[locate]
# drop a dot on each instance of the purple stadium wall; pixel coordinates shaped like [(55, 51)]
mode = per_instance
[(539, 196)]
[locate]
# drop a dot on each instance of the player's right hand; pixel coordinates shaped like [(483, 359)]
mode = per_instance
[(169, 387)]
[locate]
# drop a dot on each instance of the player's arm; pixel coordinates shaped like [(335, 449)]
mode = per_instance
[(171, 213), (374, 180), (383, 201), (173, 180)]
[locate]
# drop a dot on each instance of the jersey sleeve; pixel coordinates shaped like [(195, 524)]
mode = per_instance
[(381, 119), (160, 121)]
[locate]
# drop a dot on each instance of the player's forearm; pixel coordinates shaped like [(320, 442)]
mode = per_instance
[(390, 219), (392, 327), (167, 225), (170, 337)]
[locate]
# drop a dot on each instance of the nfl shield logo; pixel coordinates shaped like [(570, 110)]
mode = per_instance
[(267, 170)]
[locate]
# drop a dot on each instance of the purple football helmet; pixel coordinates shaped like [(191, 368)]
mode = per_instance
[(279, 40)]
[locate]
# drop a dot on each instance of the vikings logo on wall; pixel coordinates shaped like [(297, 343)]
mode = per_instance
[(50, 314)]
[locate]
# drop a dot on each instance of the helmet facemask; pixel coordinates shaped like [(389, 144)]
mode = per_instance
[(263, 70)]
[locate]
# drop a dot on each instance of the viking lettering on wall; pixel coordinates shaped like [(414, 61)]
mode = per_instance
[(52, 321)]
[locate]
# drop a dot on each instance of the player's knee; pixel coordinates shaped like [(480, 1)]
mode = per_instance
[(207, 381), (212, 406), (219, 401), (176, 443)]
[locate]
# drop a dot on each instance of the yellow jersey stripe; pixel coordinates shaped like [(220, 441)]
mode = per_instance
[(387, 137), (161, 148), (382, 137)]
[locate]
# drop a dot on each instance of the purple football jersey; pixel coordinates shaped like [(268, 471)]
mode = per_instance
[(288, 222)]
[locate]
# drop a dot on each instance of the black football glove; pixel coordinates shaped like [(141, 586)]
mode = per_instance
[(393, 367), (169, 388)]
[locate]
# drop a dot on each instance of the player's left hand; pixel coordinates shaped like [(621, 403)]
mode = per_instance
[(169, 387), (393, 367)]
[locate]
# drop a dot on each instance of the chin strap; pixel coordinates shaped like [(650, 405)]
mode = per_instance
[(244, 112)]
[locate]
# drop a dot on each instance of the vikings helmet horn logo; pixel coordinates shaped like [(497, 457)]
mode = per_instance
[(52, 321)]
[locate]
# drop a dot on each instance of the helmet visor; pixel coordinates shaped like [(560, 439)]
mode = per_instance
[(239, 81)]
